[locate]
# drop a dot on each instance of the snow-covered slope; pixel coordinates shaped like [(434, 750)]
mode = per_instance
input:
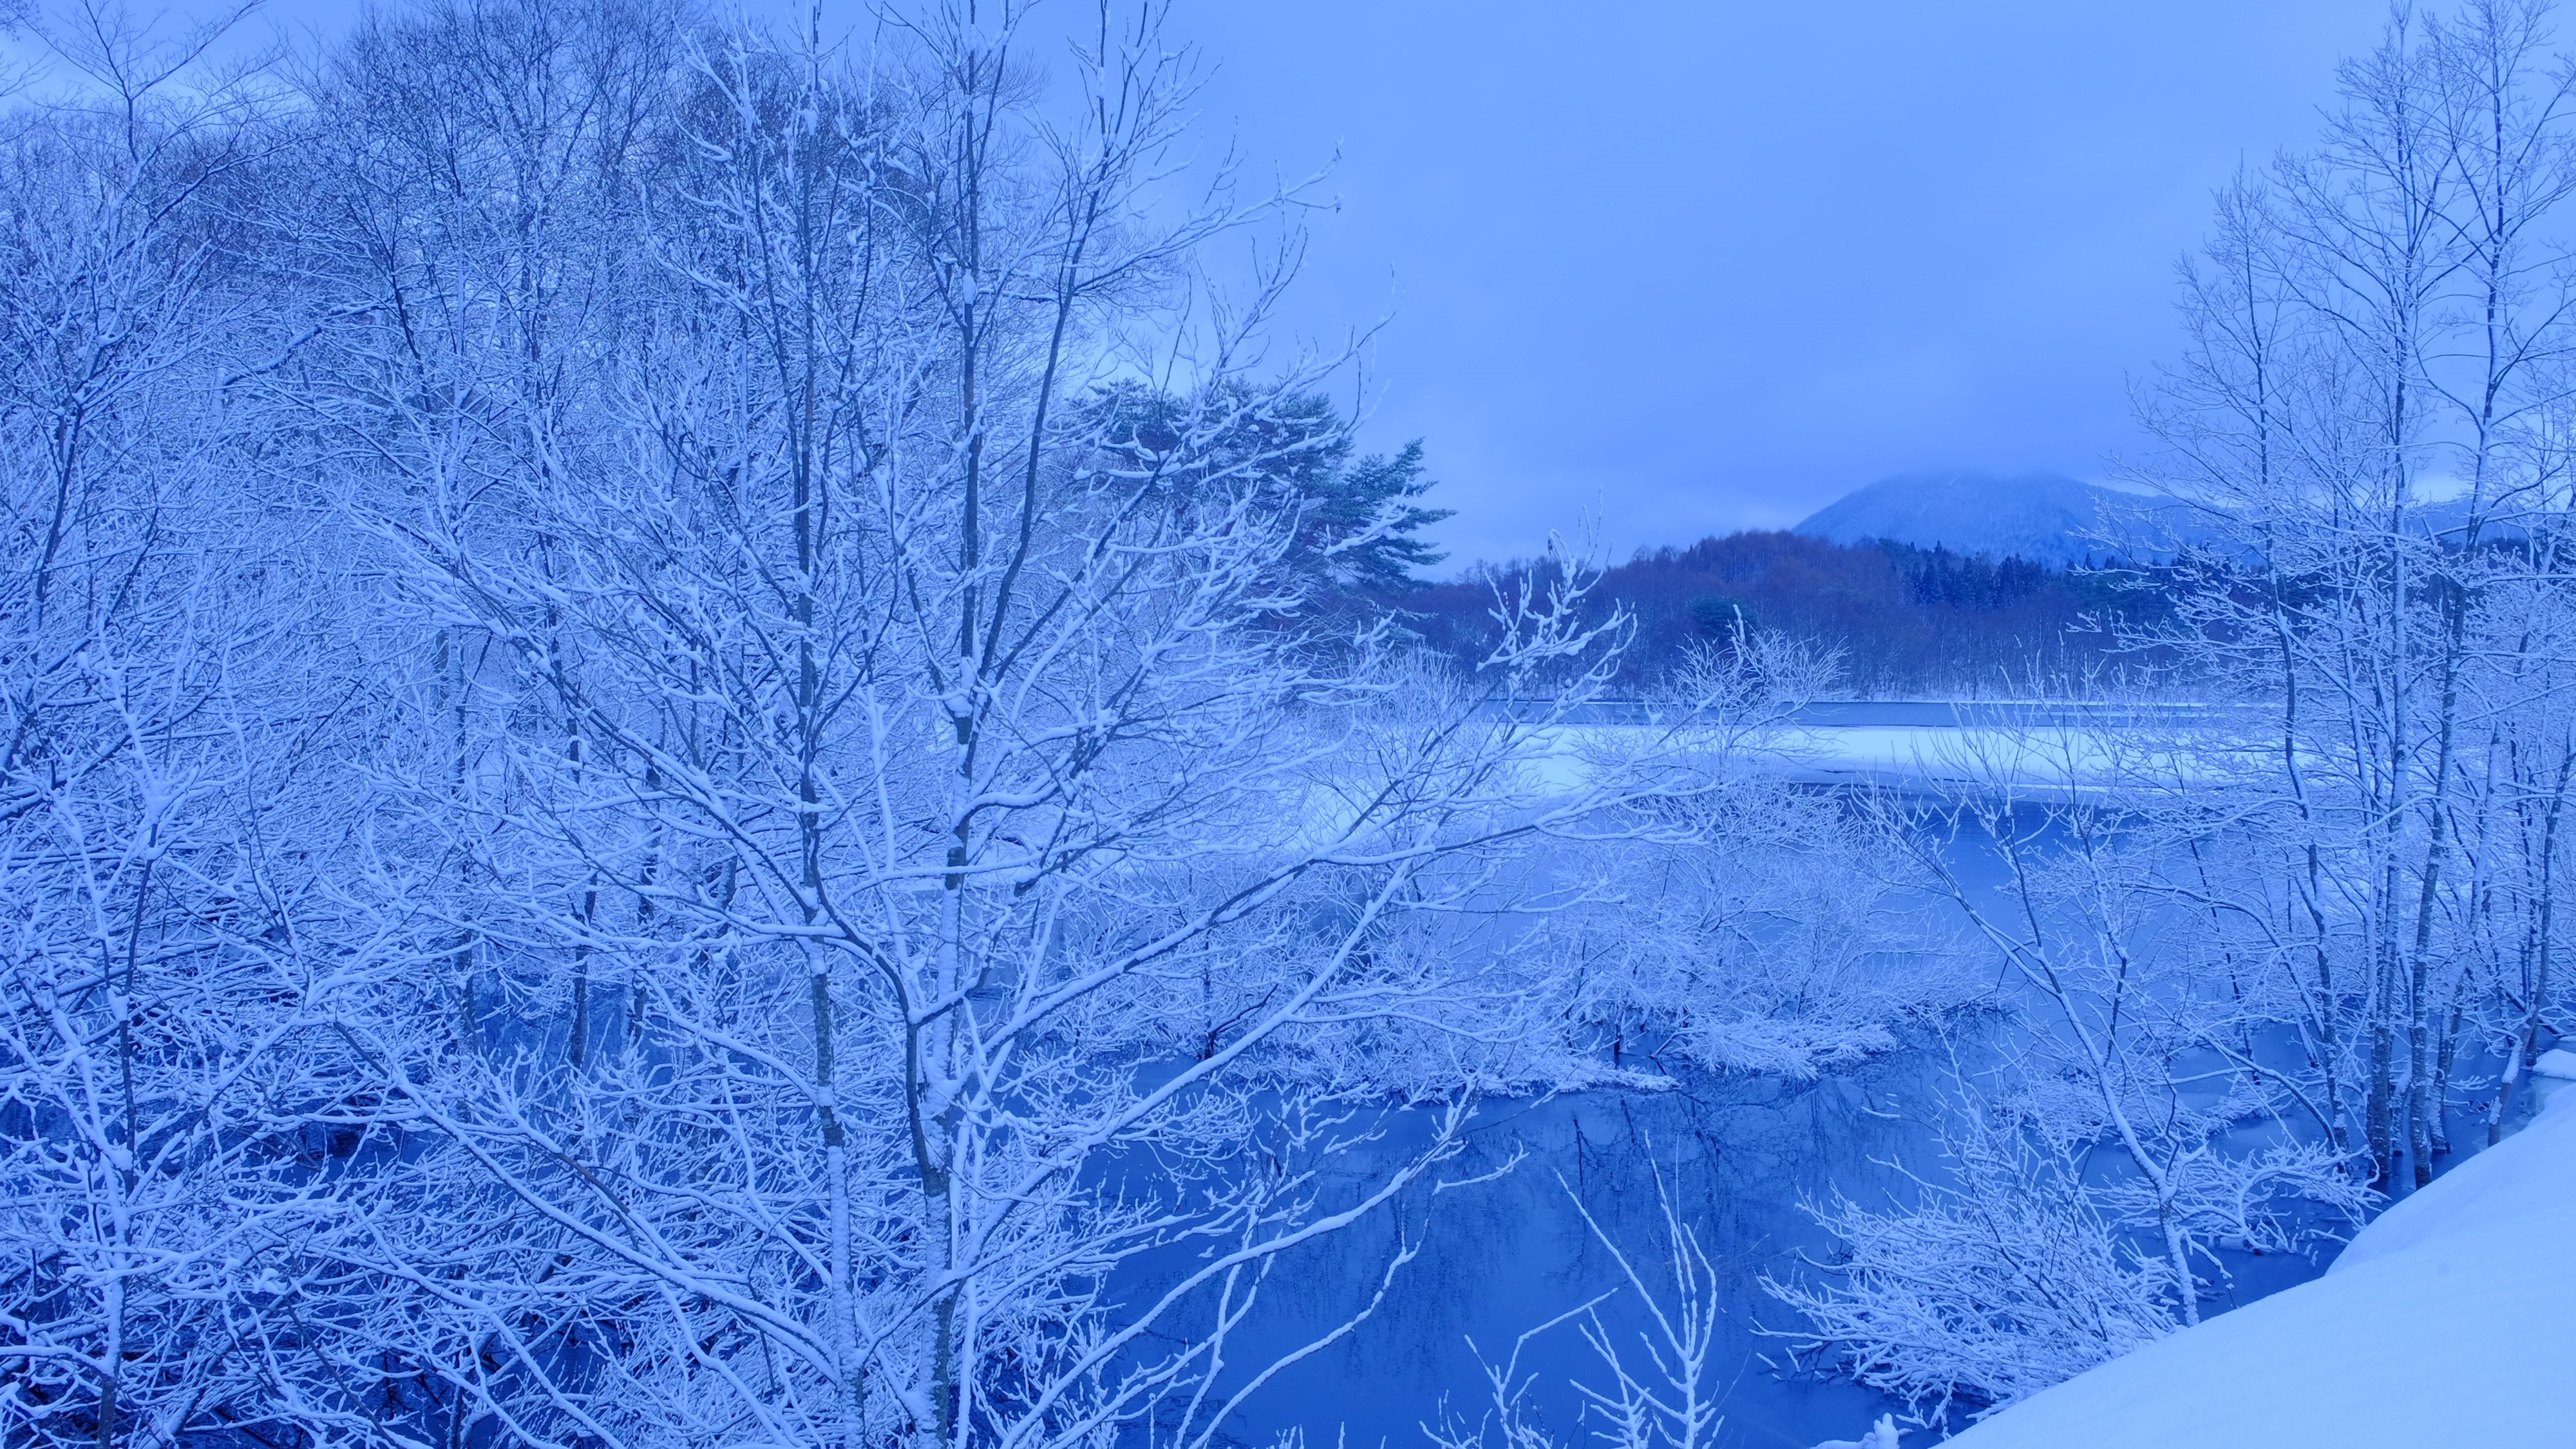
[(2444, 1323), (2041, 516)]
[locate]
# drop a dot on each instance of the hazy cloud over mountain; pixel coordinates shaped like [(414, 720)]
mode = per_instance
[(2042, 516)]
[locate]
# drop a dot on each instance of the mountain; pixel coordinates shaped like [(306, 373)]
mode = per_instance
[(2045, 517)]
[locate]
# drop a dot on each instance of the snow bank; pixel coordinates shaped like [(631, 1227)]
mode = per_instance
[(2444, 1322), (2039, 760)]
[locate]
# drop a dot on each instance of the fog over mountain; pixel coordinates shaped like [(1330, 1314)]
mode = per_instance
[(2046, 517)]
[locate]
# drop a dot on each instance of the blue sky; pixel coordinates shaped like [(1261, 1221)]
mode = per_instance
[(1660, 268)]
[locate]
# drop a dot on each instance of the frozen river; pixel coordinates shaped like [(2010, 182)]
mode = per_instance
[(2038, 748)]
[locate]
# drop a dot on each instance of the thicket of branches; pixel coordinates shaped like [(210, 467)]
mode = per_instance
[(2377, 324), (669, 771), (691, 750), (2307, 946), (1901, 621)]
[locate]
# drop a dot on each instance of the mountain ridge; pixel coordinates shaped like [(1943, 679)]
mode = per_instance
[(2044, 517)]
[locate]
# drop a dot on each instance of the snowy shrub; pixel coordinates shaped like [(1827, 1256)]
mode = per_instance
[(1992, 1285), (1761, 929)]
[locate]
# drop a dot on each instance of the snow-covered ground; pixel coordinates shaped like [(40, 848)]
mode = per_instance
[(2051, 760), (2444, 1323)]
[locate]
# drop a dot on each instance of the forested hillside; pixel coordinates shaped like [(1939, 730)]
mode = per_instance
[(1901, 619)]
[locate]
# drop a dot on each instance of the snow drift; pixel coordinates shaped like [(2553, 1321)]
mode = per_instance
[(2444, 1322)]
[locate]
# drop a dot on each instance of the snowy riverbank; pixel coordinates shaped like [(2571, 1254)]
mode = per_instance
[(2444, 1322)]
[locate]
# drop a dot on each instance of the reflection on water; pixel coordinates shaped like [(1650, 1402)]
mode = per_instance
[(1738, 1155)]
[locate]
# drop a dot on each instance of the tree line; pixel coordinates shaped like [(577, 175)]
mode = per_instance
[(1897, 619)]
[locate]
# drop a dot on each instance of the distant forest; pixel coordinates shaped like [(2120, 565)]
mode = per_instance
[(1902, 619)]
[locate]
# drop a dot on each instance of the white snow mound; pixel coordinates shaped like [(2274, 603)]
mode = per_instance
[(2442, 1323)]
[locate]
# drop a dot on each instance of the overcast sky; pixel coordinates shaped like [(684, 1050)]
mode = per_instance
[(1692, 267), (1673, 268)]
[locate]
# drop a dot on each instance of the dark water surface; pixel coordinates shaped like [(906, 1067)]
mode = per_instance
[(1738, 1156)]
